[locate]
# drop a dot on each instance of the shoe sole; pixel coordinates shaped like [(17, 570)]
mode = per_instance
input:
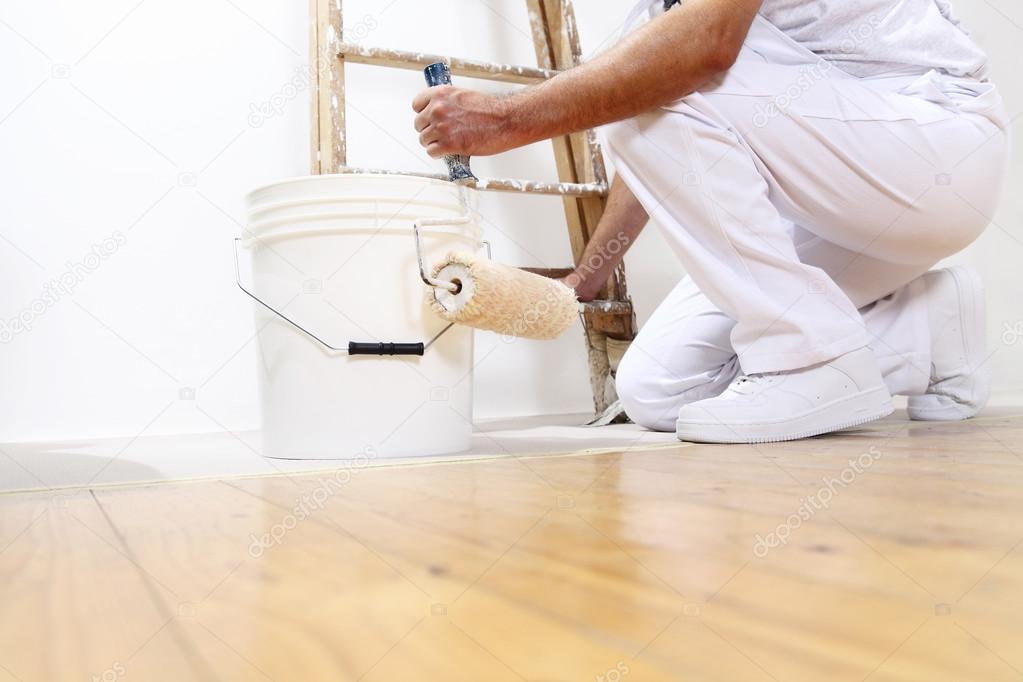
[(845, 413), (933, 407)]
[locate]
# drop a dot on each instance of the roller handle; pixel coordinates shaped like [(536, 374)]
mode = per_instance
[(359, 348), (458, 166)]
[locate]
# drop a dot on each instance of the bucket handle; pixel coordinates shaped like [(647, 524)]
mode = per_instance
[(353, 347), (423, 269)]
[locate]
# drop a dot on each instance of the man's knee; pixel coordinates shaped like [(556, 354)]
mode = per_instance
[(652, 395), (640, 388)]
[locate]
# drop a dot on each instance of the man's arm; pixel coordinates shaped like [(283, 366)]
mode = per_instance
[(623, 220), (659, 63)]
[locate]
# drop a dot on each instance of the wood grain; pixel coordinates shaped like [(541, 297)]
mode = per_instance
[(639, 565), (471, 68), (330, 132)]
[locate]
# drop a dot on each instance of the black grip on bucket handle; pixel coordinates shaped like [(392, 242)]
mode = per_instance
[(359, 348)]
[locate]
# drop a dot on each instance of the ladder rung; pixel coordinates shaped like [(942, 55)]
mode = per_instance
[(616, 319), (399, 59), (608, 307), (564, 189)]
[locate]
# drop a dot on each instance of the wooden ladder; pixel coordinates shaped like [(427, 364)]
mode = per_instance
[(609, 322)]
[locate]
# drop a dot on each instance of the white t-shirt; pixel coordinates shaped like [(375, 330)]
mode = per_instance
[(875, 37), (872, 37)]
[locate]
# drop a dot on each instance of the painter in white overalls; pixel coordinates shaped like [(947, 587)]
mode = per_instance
[(851, 147), (826, 159)]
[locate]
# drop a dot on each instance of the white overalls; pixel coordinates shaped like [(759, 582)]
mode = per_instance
[(803, 202)]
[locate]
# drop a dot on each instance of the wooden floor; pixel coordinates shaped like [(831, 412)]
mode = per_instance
[(894, 552)]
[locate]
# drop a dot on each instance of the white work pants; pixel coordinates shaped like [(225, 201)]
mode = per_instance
[(803, 203)]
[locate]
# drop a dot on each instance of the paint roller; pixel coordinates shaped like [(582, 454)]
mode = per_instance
[(480, 293), (498, 298)]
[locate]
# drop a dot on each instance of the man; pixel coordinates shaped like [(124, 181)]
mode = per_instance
[(808, 162)]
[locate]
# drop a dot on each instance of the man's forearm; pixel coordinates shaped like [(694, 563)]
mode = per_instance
[(661, 62), (623, 220)]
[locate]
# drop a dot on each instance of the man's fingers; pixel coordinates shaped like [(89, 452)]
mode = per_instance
[(428, 137), (422, 100), (433, 115), (435, 151), (422, 122)]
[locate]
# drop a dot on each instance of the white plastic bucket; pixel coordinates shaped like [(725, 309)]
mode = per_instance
[(336, 255)]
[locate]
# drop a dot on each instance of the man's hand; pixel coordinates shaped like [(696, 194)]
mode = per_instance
[(578, 284), (455, 121)]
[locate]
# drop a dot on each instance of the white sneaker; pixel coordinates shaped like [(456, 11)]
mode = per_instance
[(960, 381), (764, 408)]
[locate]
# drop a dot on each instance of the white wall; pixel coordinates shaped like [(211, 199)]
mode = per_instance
[(127, 141), (998, 26)]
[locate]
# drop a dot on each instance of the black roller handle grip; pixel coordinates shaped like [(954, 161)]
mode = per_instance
[(358, 348), (668, 4), (459, 171)]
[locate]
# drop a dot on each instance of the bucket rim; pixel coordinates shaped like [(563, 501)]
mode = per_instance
[(270, 229), (260, 211), (390, 177)]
